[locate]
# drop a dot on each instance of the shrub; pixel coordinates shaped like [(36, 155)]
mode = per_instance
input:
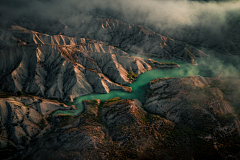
[(42, 124), (132, 76), (112, 100), (19, 93)]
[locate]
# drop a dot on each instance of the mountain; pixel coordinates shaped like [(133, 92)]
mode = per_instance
[(23, 120), (183, 118), (64, 67), (47, 62), (130, 38)]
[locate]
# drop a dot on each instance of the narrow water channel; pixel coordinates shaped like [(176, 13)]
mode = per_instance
[(207, 66)]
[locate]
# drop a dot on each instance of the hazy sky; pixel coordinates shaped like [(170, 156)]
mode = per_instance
[(148, 11)]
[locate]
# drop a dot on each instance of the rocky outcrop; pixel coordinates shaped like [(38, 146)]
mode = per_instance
[(22, 120), (120, 128), (174, 97), (104, 131), (129, 38), (64, 67), (199, 102), (139, 39), (126, 121)]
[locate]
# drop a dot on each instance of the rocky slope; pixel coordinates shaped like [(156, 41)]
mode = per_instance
[(183, 118), (63, 67), (208, 104), (110, 130), (119, 128), (24, 119), (128, 37)]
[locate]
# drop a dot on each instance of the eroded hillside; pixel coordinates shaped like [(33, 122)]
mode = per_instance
[(183, 118)]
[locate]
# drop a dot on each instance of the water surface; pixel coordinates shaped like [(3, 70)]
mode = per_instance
[(207, 66)]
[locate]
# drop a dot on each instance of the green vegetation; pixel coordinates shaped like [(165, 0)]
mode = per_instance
[(124, 101), (119, 84), (112, 100), (159, 79), (129, 89), (94, 103), (164, 63), (156, 80), (132, 76)]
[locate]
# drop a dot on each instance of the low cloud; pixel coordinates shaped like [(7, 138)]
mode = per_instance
[(171, 14), (169, 17)]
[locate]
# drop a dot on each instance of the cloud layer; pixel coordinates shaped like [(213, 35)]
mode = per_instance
[(158, 13)]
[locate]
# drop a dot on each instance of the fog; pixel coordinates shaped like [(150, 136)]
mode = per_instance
[(210, 24), (171, 14), (173, 18)]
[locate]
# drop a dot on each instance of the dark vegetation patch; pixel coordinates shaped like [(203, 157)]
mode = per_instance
[(225, 119), (231, 89), (65, 119), (112, 100), (199, 120), (42, 124), (202, 97), (183, 143), (229, 145), (159, 79), (132, 76), (164, 63), (91, 102), (19, 94)]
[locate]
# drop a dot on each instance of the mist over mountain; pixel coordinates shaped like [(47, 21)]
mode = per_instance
[(62, 63), (209, 24)]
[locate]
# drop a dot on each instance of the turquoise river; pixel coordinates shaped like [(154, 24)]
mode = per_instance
[(212, 65)]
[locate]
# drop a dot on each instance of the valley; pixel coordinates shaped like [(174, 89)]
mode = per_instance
[(88, 80)]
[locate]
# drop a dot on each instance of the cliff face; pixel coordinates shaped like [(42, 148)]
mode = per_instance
[(64, 67), (22, 120), (120, 128), (61, 67), (127, 37), (192, 97), (183, 118), (207, 104), (110, 130)]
